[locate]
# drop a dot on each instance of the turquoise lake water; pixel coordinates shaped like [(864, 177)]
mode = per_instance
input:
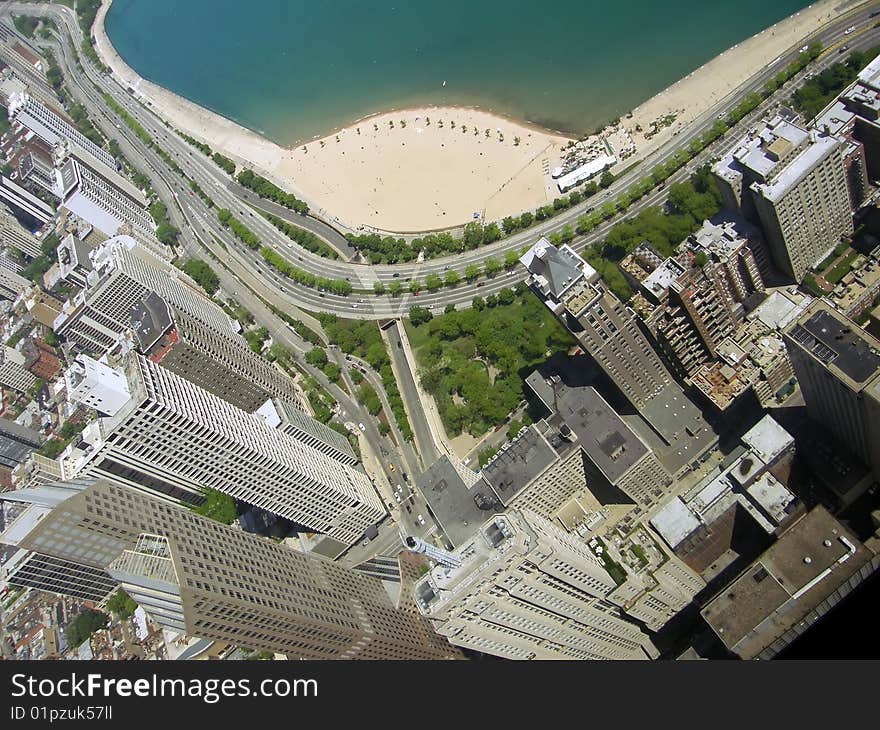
[(292, 69)]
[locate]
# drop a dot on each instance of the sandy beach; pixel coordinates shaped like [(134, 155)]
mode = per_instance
[(401, 171)]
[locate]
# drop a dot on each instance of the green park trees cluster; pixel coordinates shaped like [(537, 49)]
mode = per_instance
[(220, 160), (284, 267), (26, 24), (120, 604), (84, 625), (473, 361), (818, 91), (389, 250), (202, 274), (362, 339), (239, 229), (165, 232), (42, 263), (304, 238), (277, 261), (266, 189)]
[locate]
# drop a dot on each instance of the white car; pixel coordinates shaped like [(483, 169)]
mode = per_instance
[(420, 519), (397, 497), (804, 48), (851, 29), (362, 427)]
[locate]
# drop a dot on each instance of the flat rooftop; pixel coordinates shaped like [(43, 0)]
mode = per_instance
[(767, 439), (870, 74), (150, 319), (659, 280), (837, 341), (684, 431), (799, 571), (453, 504), (799, 167), (609, 443), (781, 308), (518, 463)]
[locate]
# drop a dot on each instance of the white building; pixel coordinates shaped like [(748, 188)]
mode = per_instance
[(124, 271), (52, 128), (522, 588), (176, 439), (106, 204)]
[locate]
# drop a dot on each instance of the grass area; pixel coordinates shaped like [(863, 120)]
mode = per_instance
[(842, 268), (639, 552), (615, 569), (454, 350), (830, 258)]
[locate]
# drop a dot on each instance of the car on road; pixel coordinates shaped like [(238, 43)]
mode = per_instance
[(803, 49), (354, 306), (397, 497), (390, 466), (843, 49), (480, 284), (851, 29), (362, 427)]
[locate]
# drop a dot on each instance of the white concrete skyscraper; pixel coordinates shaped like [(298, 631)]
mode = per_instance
[(525, 589), (166, 435)]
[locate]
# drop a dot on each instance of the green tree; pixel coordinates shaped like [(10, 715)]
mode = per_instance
[(84, 625), (420, 315), (433, 282), (606, 179), (471, 272), (491, 266), (451, 278), (394, 288), (378, 288), (317, 357), (414, 286)]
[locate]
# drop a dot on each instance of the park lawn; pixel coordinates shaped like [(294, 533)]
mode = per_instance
[(512, 338)]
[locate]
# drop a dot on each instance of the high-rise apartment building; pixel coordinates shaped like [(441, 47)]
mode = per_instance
[(123, 272), (609, 333), (52, 128), (219, 362), (12, 233), (837, 364), (109, 203), (572, 289), (13, 370), (169, 436), (215, 582), (794, 182), (522, 588), (12, 284)]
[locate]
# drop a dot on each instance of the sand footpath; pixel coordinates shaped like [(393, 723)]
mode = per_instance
[(404, 171)]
